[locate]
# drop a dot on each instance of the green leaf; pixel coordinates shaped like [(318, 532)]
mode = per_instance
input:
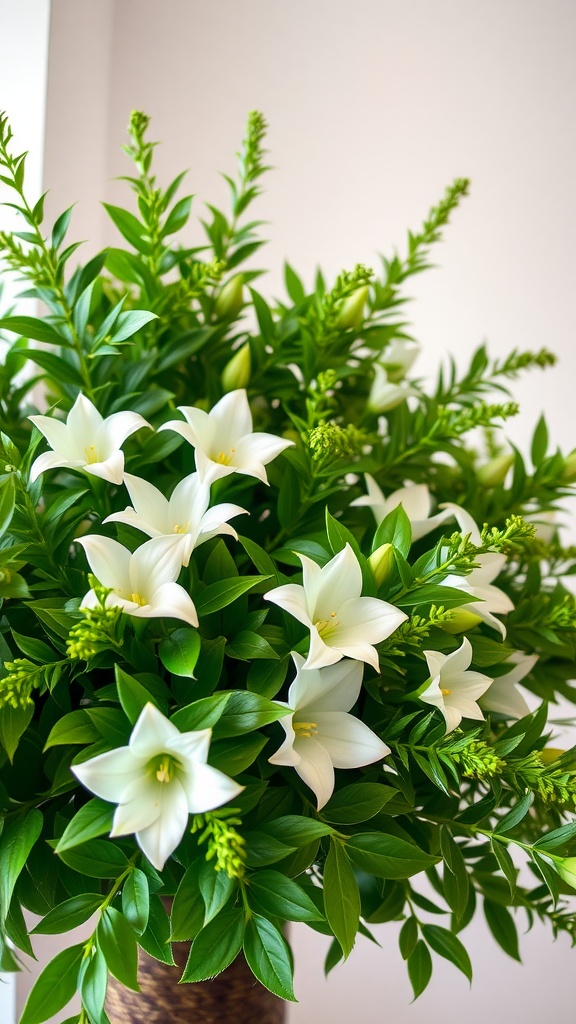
[(136, 900), (92, 820), (13, 725), (16, 842), (31, 327), (93, 983), (236, 754), (220, 595), (202, 714), (448, 945), (294, 285), (132, 695), (55, 986), (518, 812), (129, 322), (118, 944), (61, 227), (215, 946), (501, 924), (296, 830), (129, 226), (268, 957), (188, 908), (539, 443), (156, 938), (75, 727), (69, 914), (245, 712), (248, 645), (456, 879), (55, 367), (7, 502), (408, 937), (506, 864), (262, 849), (216, 888), (267, 677), (341, 897), (419, 968), (358, 802), (178, 216), (179, 652), (282, 897), (37, 650), (387, 856), (97, 858), (394, 529)]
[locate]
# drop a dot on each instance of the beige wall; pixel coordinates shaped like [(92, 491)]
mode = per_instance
[(374, 107)]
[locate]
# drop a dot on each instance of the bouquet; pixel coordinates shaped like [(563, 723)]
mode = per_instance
[(281, 622)]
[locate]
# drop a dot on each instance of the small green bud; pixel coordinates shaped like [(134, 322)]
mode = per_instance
[(494, 472), (550, 754), (381, 563), (569, 471), (236, 373), (461, 621), (230, 299), (351, 314), (566, 868)]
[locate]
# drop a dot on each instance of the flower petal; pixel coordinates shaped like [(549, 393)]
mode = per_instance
[(112, 469), (161, 838), (335, 688), (207, 788), (109, 561), (292, 599), (232, 417), (366, 620), (116, 428), (109, 775), (349, 742), (152, 733), (52, 460), (340, 582), (141, 810), (83, 421), (315, 769), (155, 562), (57, 434), (149, 503), (172, 601)]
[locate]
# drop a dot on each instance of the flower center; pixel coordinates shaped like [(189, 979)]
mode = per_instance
[(224, 458), (140, 601), (179, 528), (164, 767), (327, 626), (91, 455), (305, 729), (445, 692)]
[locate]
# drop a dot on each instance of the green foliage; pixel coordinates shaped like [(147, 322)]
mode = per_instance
[(153, 325)]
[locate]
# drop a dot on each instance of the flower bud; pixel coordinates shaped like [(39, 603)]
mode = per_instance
[(566, 868), (381, 562), (398, 357), (352, 312), (236, 373), (462, 620), (550, 754), (568, 474), (494, 472), (230, 299), (384, 395)]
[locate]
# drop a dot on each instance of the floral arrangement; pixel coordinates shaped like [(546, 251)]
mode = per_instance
[(280, 624)]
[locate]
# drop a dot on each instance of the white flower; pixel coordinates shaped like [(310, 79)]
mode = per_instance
[(86, 441), (320, 735), (142, 583), (224, 440), (398, 357), (186, 514), (454, 690), (503, 696), (157, 781), (341, 622), (478, 584), (384, 393), (415, 500)]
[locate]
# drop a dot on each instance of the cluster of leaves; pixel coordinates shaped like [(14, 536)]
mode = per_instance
[(152, 323)]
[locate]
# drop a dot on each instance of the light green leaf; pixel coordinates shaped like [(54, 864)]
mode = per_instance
[(55, 986)]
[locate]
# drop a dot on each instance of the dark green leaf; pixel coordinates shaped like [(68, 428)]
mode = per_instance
[(394, 529), (16, 842), (93, 983), (179, 652), (69, 915), (506, 864), (215, 947), (132, 695), (387, 856), (31, 327), (92, 820), (358, 802), (220, 595), (216, 888), (188, 907), (408, 937), (419, 968), (136, 900), (503, 928), (448, 945), (97, 858), (518, 812), (268, 956), (118, 944), (282, 897), (55, 986), (341, 897)]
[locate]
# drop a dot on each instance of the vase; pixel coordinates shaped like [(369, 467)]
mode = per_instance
[(234, 997)]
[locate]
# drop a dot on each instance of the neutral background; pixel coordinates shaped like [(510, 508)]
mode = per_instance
[(373, 108)]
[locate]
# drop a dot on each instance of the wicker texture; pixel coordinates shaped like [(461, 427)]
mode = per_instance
[(234, 997)]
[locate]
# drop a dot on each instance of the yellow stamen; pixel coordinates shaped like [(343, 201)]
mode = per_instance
[(445, 692), (165, 770), (178, 528), (327, 625), (138, 600), (91, 455), (305, 729), (223, 459)]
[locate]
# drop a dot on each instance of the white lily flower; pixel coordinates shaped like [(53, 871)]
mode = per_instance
[(341, 622), (478, 584), (453, 689), (415, 500), (320, 735), (157, 781), (224, 441), (398, 357), (86, 441), (185, 514), (384, 393), (503, 696), (142, 583)]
